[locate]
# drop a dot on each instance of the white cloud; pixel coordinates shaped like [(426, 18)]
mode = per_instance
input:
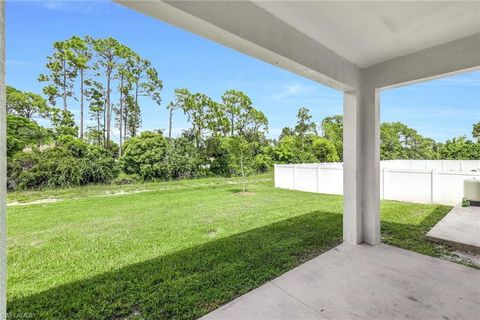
[(428, 112), (22, 63), (293, 90), (82, 6)]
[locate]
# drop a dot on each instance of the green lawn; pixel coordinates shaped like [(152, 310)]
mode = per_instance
[(178, 250)]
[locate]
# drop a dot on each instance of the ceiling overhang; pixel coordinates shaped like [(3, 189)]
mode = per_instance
[(334, 42)]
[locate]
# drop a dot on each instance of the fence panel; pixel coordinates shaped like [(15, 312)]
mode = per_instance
[(306, 177), (413, 186), (449, 186), (284, 177), (439, 181), (330, 180)]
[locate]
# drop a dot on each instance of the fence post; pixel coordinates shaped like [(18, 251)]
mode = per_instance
[(461, 165), (433, 179), (294, 177), (275, 175), (318, 180), (384, 183)]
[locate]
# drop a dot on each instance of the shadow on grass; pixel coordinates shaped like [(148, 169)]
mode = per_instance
[(190, 283), (413, 236)]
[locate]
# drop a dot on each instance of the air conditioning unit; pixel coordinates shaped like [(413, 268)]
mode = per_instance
[(471, 190)]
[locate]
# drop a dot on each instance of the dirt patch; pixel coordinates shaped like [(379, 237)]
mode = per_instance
[(212, 234), (42, 201), (246, 193), (123, 192)]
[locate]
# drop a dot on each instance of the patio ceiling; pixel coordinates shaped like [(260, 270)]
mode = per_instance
[(332, 42), (367, 33)]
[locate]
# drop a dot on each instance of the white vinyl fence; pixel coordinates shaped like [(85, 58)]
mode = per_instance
[(422, 181)]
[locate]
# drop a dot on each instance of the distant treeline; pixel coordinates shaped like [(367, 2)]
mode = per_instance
[(226, 137)]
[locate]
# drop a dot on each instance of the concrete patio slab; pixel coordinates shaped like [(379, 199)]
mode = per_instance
[(364, 282), (460, 228)]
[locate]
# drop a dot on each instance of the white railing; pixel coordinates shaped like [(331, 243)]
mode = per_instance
[(423, 181)]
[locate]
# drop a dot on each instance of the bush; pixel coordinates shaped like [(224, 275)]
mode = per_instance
[(324, 150), (151, 156), (70, 163), (124, 178), (263, 163), (144, 155)]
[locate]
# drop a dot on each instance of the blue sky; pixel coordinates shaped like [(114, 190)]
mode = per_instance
[(440, 109)]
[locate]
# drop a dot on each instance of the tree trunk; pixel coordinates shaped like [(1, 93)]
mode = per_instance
[(109, 112), (199, 136), (121, 117), (104, 126), (98, 128), (170, 124), (81, 103), (243, 172), (125, 122), (134, 128), (64, 86)]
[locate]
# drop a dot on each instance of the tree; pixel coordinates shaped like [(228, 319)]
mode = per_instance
[(332, 129), (197, 108), (62, 74), (304, 125), (96, 96), (63, 123), (240, 157), (286, 131), (25, 104), (288, 150), (79, 60), (239, 117), (109, 55), (181, 95), (144, 81), (23, 132), (398, 141), (459, 149), (235, 104), (324, 150), (258, 121), (476, 131)]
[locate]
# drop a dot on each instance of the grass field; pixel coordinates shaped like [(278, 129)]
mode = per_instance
[(174, 249)]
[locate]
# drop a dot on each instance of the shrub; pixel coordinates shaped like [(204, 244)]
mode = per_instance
[(151, 156), (324, 150), (263, 163), (144, 155), (70, 163), (98, 166), (124, 178)]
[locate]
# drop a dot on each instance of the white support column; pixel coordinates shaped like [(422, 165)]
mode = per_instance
[(352, 212), (3, 171), (369, 125), (361, 158)]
